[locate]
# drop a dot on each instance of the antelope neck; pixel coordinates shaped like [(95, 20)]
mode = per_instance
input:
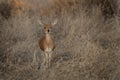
[(47, 35)]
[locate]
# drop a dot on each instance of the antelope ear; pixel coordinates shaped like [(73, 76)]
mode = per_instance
[(39, 21), (55, 22)]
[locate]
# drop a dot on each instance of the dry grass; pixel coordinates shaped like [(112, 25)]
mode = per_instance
[(87, 42)]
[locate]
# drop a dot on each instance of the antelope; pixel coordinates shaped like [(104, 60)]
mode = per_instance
[(46, 43)]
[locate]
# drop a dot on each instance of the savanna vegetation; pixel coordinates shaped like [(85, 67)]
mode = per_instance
[(87, 39)]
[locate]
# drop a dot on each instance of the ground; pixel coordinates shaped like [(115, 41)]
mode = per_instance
[(87, 41)]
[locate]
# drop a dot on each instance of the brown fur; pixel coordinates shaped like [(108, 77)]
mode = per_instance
[(44, 43)]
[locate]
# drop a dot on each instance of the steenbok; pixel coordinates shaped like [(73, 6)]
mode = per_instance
[(46, 43)]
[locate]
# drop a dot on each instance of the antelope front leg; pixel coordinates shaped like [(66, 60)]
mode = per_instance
[(46, 59), (50, 57)]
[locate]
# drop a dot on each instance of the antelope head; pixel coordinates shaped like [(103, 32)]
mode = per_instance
[(48, 27)]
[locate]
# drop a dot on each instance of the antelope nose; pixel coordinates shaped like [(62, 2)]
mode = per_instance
[(48, 30)]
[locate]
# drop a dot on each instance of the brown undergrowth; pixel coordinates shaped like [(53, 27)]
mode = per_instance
[(86, 37)]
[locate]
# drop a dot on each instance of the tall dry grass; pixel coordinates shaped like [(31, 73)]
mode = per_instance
[(87, 42)]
